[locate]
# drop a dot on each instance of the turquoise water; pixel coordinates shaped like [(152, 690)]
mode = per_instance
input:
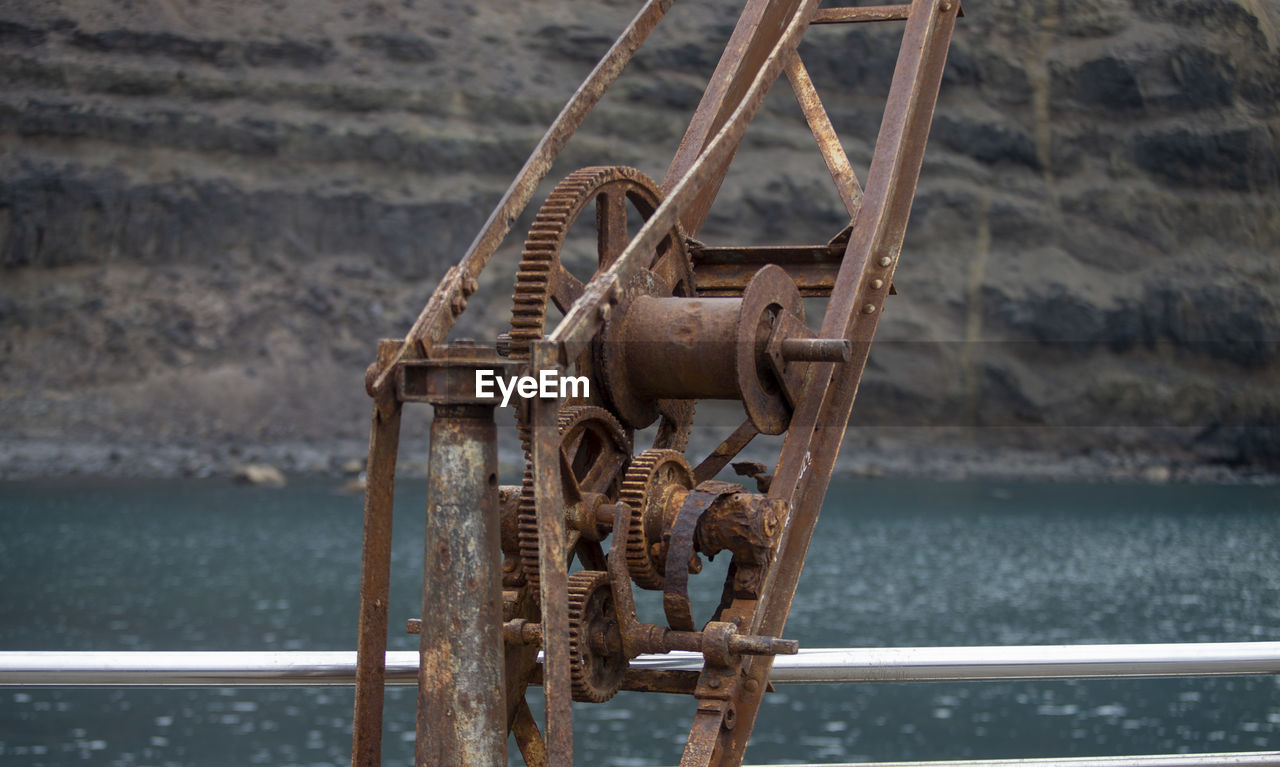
[(205, 565)]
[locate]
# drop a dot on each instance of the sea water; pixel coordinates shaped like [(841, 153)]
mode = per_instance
[(206, 565)]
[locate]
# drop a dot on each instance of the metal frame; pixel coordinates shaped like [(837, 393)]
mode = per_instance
[(762, 47)]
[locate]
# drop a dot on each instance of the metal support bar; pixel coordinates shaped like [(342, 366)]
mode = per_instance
[(375, 574), (437, 317), (759, 30), (553, 566), (858, 15), (819, 666), (824, 133), (725, 271)]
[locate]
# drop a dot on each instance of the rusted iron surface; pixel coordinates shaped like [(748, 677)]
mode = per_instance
[(725, 271), (756, 38), (461, 713), (375, 576), (824, 132), (553, 566), (664, 321), (861, 14)]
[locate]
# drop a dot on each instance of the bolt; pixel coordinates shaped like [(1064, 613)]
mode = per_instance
[(945, 6), (877, 284), (604, 311), (457, 304), (869, 309), (469, 286), (885, 260)]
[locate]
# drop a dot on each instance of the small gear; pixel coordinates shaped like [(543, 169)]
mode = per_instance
[(597, 450), (596, 661), (653, 475)]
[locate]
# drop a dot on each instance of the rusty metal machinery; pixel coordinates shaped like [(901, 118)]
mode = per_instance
[(663, 322)]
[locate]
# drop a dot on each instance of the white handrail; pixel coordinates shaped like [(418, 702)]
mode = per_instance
[(826, 666)]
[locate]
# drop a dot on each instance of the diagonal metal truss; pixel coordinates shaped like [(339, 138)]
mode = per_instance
[(484, 620)]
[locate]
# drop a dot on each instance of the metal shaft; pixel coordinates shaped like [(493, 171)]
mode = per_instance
[(461, 711)]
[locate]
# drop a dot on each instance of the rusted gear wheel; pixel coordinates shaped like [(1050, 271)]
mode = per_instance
[(654, 475), (543, 279), (596, 661), (596, 450)]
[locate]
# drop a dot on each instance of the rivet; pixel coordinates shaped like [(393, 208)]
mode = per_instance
[(946, 6), (603, 311), (877, 284), (885, 260), (713, 683), (752, 685), (869, 309)]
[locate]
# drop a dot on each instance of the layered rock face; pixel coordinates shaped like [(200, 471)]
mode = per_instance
[(211, 210)]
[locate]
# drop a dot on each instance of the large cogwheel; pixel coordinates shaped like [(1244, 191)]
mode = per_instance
[(596, 450), (596, 661), (543, 279)]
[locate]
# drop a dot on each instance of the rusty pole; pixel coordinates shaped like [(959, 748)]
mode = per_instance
[(462, 718), (375, 569)]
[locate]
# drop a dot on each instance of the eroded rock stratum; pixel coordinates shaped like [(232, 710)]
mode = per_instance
[(210, 211)]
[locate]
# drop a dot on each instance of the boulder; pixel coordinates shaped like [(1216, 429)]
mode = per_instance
[(261, 474)]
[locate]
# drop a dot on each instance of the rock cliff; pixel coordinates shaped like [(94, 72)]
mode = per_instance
[(211, 210)]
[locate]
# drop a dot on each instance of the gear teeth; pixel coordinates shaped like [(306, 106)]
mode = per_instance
[(636, 485), (593, 678), (539, 263), (527, 519)]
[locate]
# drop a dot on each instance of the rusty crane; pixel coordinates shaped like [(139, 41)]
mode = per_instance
[(663, 322)]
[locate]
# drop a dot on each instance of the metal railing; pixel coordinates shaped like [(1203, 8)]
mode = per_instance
[(820, 666), (826, 666)]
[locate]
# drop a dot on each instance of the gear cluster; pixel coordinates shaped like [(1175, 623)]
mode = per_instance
[(602, 483)]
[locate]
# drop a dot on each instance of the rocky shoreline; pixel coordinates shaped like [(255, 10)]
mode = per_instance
[(38, 460)]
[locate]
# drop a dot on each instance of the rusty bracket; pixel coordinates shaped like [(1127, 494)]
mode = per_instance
[(680, 556)]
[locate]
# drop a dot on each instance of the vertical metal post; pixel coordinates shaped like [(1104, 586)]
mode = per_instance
[(375, 569), (462, 718), (553, 566)]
